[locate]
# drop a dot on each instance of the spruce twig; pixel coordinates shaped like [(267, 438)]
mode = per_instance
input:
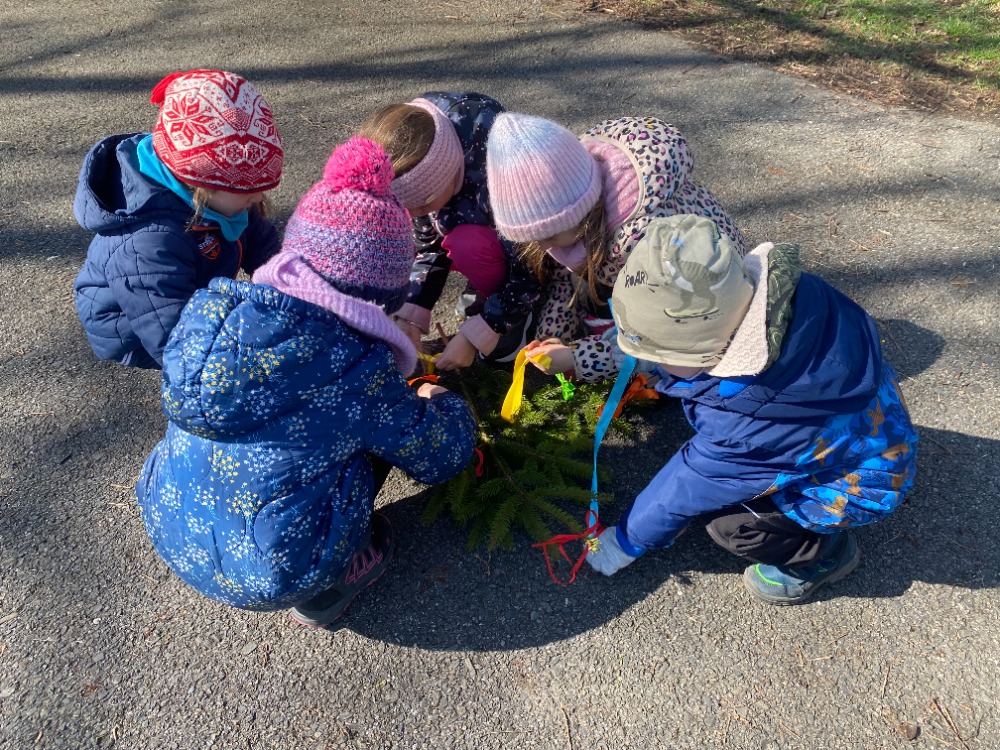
[(532, 471)]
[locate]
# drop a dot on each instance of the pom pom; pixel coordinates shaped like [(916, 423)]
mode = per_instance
[(359, 164)]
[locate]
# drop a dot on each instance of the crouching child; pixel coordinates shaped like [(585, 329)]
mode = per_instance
[(801, 431), (287, 403)]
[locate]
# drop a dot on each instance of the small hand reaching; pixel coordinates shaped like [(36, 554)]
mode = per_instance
[(609, 557), (560, 356), (459, 353), (426, 390)]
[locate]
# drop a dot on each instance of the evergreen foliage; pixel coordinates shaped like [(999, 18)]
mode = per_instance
[(536, 473)]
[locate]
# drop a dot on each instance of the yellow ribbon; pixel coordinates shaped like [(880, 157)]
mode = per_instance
[(512, 401), (428, 361)]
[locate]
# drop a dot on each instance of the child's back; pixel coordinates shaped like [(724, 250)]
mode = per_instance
[(801, 431), (438, 145), (149, 198), (283, 395)]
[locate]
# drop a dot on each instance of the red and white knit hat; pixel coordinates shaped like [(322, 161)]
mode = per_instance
[(216, 131)]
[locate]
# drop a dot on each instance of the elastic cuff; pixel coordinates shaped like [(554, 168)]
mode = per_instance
[(419, 316), (627, 547), (479, 334)]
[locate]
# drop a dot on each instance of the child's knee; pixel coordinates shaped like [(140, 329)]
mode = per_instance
[(476, 253)]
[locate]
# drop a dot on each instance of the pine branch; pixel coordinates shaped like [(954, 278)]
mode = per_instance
[(533, 471)]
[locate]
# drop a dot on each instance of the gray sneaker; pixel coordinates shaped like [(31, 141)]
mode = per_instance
[(366, 567), (774, 584)]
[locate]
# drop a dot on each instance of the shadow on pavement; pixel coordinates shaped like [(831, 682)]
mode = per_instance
[(437, 595)]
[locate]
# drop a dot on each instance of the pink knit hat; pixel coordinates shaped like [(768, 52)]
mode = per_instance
[(216, 131), (352, 230), (441, 168), (542, 181)]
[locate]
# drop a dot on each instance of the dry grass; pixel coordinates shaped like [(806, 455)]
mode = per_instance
[(928, 70)]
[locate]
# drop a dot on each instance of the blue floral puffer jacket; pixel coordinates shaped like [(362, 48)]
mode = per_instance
[(262, 489)]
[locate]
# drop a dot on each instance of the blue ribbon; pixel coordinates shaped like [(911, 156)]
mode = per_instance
[(621, 383)]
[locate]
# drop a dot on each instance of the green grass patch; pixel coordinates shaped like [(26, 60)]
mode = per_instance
[(932, 54)]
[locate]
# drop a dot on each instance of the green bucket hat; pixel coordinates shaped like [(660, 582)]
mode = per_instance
[(682, 294)]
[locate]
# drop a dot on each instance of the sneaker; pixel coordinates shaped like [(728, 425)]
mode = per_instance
[(772, 584), (366, 567), (513, 342)]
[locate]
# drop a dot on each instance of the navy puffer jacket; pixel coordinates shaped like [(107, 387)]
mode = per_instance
[(143, 264)]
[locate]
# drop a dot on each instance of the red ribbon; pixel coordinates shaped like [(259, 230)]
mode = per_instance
[(591, 532)]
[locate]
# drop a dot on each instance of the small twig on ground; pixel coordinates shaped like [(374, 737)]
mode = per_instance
[(788, 730), (946, 715), (444, 336), (569, 734), (312, 124), (942, 740), (938, 443), (886, 680)]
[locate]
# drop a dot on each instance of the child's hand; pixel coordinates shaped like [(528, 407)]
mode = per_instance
[(609, 557), (412, 331), (426, 390), (458, 354), (561, 356)]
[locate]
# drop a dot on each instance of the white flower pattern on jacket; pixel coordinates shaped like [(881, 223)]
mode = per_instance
[(262, 488)]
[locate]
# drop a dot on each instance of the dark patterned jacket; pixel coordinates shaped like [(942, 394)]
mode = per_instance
[(472, 115)]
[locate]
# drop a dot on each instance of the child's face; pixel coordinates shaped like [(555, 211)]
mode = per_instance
[(230, 204), (567, 238)]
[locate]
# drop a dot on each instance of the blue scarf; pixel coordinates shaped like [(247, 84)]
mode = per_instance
[(152, 167)]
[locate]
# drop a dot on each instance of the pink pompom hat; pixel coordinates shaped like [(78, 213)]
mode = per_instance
[(352, 230)]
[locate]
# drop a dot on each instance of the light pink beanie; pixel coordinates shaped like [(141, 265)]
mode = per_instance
[(541, 179)]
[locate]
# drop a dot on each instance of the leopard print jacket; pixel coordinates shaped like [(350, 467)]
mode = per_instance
[(664, 167)]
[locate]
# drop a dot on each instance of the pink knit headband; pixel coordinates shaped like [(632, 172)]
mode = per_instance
[(441, 168)]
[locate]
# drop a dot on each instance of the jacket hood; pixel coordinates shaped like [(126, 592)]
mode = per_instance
[(243, 354), (830, 363), (113, 194)]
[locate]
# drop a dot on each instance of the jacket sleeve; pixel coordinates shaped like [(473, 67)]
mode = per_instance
[(430, 439), (430, 266), (700, 478), (509, 307), (260, 241), (152, 276)]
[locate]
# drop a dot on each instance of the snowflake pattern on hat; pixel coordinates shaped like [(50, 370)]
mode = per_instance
[(216, 131)]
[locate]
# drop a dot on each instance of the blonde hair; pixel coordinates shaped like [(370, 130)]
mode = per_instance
[(406, 132), (593, 232), (201, 196)]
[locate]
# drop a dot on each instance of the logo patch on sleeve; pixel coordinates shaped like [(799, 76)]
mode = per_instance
[(209, 246)]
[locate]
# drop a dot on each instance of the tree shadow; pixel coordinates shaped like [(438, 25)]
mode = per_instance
[(823, 43), (438, 595)]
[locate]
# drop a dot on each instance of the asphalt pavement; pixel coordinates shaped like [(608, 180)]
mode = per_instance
[(101, 646)]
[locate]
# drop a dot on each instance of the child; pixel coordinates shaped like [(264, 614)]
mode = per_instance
[(173, 209), (438, 148), (286, 403), (801, 431), (582, 204)]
